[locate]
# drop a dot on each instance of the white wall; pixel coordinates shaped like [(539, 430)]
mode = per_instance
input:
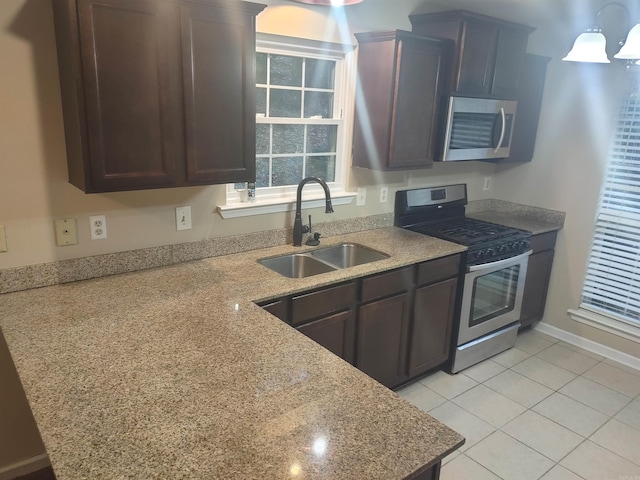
[(577, 121), (33, 177)]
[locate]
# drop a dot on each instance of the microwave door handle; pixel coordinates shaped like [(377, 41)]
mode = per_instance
[(503, 131)]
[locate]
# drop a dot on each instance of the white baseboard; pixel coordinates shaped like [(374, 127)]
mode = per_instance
[(25, 467), (595, 347)]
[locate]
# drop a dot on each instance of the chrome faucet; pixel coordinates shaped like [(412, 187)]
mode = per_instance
[(297, 224)]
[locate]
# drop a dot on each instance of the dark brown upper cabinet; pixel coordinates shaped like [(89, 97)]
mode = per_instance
[(530, 92), (489, 52), (157, 93), (401, 81)]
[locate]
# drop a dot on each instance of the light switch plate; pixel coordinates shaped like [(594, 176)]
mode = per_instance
[(183, 218), (3, 239), (66, 232)]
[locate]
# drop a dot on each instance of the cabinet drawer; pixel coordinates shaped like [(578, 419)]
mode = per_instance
[(387, 284), (437, 270), (312, 305), (544, 241)]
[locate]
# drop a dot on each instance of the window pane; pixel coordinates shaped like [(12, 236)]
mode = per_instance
[(261, 101), (323, 167), (262, 139), (319, 73), (288, 139), (261, 68), (318, 104), (286, 171), (262, 172), (285, 103), (286, 70), (321, 138)]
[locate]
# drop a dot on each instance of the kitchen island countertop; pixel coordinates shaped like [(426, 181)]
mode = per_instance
[(175, 373)]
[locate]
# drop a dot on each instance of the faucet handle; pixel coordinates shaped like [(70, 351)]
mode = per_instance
[(307, 228), (315, 241)]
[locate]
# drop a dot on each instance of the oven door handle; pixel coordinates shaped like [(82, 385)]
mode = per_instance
[(500, 263)]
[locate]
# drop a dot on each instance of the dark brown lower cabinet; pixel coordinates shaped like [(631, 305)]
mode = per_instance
[(433, 311), (336, 333), (381, 343), (536, 287), (394, 325), (431, 474)]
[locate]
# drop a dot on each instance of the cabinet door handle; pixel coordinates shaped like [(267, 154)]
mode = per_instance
[(504, 129)]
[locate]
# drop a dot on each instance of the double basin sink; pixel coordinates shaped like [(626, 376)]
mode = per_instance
[(322, 260)]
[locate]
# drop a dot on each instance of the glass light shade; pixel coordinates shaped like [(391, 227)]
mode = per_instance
[(631, 48), (589, 47)]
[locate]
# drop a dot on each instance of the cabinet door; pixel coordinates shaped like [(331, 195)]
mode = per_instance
[(530, 92), (417, 98), (431, 329), (336, 333), (219, 80), (477, 58), (401, 79), (381, 343), (512, 45), (131, 95), (536, 286)]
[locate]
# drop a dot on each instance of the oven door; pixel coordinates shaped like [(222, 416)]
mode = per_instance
[(492, 297)]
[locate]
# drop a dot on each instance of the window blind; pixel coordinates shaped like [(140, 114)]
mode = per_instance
[(612, 281)]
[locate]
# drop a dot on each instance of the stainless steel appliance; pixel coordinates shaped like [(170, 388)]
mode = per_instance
[(478, 128), (496, 269)]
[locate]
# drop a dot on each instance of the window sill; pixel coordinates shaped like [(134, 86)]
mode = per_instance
[(605, 323), (265, 206)]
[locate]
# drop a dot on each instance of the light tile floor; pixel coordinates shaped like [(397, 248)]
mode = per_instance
[(542, 410)]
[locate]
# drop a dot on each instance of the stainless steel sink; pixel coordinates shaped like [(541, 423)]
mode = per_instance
[(348, 255), (297, 265), (323, 260)]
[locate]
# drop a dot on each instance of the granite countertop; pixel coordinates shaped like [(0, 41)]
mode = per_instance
[(175, 373), (532, 219)]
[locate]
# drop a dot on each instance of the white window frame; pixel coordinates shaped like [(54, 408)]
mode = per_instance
[(619, 217), (282, 199)]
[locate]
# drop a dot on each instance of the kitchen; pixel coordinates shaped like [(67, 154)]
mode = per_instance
[(578, 111)]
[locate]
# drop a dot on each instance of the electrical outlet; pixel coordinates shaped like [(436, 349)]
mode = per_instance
[(183, 218), (98, 225), (384, 194), (361, 200), (3, 239), (66, 232), (487, 183)]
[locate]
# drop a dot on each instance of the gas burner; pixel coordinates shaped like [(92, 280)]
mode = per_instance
[(444, 218)]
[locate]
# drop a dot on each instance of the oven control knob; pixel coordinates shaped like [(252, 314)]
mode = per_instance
[(490, 252), (479, 255)]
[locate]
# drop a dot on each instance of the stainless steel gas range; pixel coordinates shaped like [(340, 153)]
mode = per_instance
[(496, 268)]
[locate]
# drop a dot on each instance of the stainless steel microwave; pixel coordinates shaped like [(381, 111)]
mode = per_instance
[(478, 129)]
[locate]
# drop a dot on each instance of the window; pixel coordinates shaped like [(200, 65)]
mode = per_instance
[(301, 92), (611, 291), (303, 89)]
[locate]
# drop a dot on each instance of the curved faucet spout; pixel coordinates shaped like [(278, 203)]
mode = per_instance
[(297, 224)]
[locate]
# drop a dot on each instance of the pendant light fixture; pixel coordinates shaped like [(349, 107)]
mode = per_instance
[(590, 46), (329, 3)]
